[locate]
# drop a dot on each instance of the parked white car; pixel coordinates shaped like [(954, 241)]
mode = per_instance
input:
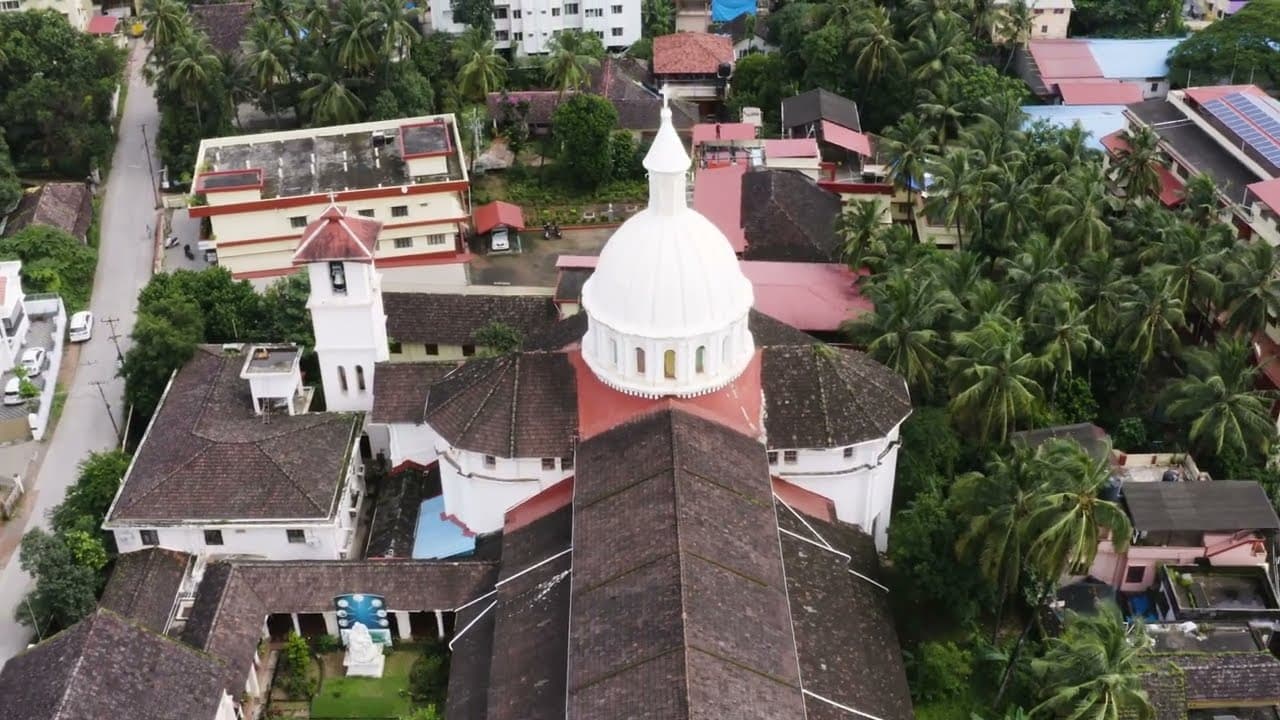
[(80, 328), (499, 240), (33, 361), (13, 392)]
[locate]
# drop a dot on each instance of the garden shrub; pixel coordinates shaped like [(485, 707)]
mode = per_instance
[(940, 671)]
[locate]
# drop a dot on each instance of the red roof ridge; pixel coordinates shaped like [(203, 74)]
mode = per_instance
[(338, 236)]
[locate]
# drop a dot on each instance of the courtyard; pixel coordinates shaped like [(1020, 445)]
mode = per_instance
[(415, 675)]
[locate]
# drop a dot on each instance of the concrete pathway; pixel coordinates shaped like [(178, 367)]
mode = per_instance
[(124, 266)]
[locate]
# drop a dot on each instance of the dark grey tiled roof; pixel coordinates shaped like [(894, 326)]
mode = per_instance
[(819, 104), (1092, 438), (469, 661), (452, 319), (786, 216), (560, 335), (108, 667), (679, 602), (519, 405), (1199, 506), (400, 390), (65, 206), (823, 396), (224, 23), (395, 513), (569, 283), (234, 595), (144, 585), (845, 636), (207, 456), (1220, 680)]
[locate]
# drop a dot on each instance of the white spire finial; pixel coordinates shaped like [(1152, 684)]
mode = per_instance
[(668, 165)]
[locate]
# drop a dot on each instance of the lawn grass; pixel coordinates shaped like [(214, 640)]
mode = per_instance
[(366, 698)]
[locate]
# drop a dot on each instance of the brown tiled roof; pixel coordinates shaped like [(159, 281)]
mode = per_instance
[(823, 396), (108, 667), (65, 206), (767, 331), (1221, 680), (518, 405), (845, 636), (679, 601), (224, 23), (338, 236), (472, 652), (786, 216), (452, 319), (624, 82), (690, 53), (400, 390), (233, 596), (207, 456), (541, 104), (144, 585)]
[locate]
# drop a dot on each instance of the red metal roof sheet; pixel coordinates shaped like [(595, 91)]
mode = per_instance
[(1170, 187), (705, 132), (488, 217), (1063, 59), (791, 148), (102, 25), (846, 138), (1268, 191), (1076, 92), (717, 194)]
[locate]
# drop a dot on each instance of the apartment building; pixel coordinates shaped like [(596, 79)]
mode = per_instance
[(77, 12), (526, 27), (260, 192), (1050, 18)]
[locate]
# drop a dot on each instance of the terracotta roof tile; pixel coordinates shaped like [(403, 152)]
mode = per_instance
[(224, 23), (65, 206), (144, 586), (335, 235), (690, 53), (452, 319), (400, 390)]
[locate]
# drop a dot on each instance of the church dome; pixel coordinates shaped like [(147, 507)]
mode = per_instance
[(667, 304)]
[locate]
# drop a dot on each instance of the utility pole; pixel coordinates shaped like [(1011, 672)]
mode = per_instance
[(34, 622), (115, 338), (151, 171), (107, 403)]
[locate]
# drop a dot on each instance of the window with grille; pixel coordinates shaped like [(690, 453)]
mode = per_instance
[(296, 536), (298, 221), (212, 537), (403, 243), (790, 456), (150, 538), (399, 211)]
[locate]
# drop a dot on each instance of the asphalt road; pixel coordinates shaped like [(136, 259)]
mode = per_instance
[(124, 266)]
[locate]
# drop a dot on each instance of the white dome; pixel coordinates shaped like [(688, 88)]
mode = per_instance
[(667, 305), (667, 276)]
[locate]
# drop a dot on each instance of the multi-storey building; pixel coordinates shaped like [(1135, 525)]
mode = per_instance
[(260, 193), (1050, 18), (77, 12), (526, 27)]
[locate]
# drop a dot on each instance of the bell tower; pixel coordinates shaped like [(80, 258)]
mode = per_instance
[(346, 305)]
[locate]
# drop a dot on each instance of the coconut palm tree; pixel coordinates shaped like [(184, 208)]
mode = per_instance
[(1067, 338), (1103, 288), (317, 19), (398, 34), (191, 65), (953, 197), (909, 145), (1078, 205), (998, 500), (164, 23), (937, 51), (1093, 670), (960, 276), (1150, 320), (269, 56), (1253, 288), (328, 99), (1030, 274), (937, 11), (993, 379), (857, 227), (355, 33), (1014, 27), (280, 13), (1134, 169), (657, 17), (1190, 260), (572, 55), (1013, 211), (480, 69), (943, 109), (238, 84), (1200, 202), (878, 52), (902, 332), (1219, 400)]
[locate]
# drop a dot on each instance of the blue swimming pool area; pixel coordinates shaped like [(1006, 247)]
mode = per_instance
[(437, 537)]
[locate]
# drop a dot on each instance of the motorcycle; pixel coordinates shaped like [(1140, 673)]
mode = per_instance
[(171, 242), (186, 250)]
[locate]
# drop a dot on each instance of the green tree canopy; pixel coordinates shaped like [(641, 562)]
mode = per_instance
[(53, 261), (90, 497), (1240, 48), (10, 188), (65, 588), (581, 131)]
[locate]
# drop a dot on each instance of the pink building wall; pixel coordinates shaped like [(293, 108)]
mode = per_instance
[(1226, 549)]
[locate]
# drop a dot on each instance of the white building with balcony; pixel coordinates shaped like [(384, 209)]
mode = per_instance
[(527, 27), (234, 464)]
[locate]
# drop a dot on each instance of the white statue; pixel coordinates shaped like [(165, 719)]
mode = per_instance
[(364, 657)]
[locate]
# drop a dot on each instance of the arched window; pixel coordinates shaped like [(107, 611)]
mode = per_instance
[(342, 378), (613, 351), (700, 359), (360, 378), (640, 360), (669, 364)]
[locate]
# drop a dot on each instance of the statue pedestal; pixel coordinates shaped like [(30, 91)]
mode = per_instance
[(365, 667)]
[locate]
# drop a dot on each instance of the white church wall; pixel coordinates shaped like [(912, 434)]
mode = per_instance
[(270, 542), (226, 708), (479, 495), (409, 442)]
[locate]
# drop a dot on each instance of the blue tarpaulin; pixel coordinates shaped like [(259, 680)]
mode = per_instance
[(726, 10)]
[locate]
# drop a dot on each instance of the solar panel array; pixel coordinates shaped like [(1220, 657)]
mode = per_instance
[(1253, 120)]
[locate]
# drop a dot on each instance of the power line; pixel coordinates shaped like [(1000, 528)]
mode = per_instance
[(115, 338), (107, 403)]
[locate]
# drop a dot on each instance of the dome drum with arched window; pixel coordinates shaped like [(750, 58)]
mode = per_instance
[(667, 305)]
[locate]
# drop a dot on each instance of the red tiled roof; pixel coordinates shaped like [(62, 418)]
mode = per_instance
[(688, 53), (1268, 191), (705, 132), (1203, 95), (717, 194), (102, 25), (846, 138), (1099, 93), (1063, 59), (488, 217), (1114, 143), (1170, 187), (338, 236), (791, 148)]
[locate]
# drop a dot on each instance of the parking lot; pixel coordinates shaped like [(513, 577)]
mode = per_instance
[(535, 264)]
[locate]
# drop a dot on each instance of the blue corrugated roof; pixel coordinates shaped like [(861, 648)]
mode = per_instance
[(1121, 59), (1097, 120)]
